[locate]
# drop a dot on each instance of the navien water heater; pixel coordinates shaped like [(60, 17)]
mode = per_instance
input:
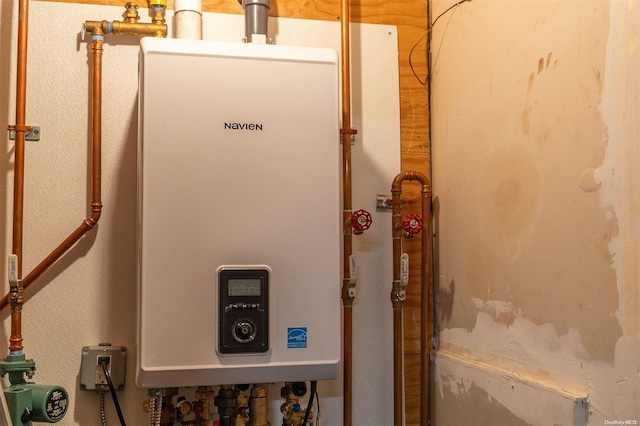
[(238, 214)]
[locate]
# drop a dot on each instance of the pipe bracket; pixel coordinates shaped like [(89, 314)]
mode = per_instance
[(31, 133), (383, 203), (350, 133)]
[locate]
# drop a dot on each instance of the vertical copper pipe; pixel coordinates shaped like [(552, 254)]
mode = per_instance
[(346, 132), (96, 132), (347, 363), (20, 129), (426, 298), (15, 341), (426, 308), (397, 301), (398, 371), (346, 64), (96, 173)]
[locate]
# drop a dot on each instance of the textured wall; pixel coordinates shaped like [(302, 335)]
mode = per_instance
[(534, 159), (89, 296)]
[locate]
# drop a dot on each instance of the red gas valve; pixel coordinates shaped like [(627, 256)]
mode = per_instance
[(360, 221), (412, 223)]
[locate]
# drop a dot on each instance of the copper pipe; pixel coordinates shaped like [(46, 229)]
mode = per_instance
[(346, 67), (96, 144), (346, 133), (398, 371), (397, 296), (397, 300), (15, 341), (20, 128), (347, 372), (426, 308)]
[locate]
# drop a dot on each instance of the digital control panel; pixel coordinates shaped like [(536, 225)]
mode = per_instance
[(243, 310)]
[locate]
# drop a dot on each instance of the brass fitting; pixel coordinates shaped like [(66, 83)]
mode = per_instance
[(16, 295), (292, 414), (130, 14), (258, 406), (205, 394), (159, 9), (347, 298), (398, 295), (130, 24), (16, 299)]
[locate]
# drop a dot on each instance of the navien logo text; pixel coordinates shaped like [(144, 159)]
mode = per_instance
[(243, 126)]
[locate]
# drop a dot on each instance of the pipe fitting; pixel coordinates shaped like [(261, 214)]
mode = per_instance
[(159, 8), (256, 17), (258, 406), (131, 13), (130, 24), (347, 292), (398, 295), (16, 297)]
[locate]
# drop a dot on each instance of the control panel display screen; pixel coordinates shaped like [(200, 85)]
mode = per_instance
[(244, 286), (243, 310)]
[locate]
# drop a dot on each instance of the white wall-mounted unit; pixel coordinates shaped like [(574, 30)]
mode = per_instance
[(238, 214)]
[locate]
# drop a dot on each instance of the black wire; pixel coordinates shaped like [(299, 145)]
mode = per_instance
[(113, 393), (313, 394), (424, 83), (317, 404)]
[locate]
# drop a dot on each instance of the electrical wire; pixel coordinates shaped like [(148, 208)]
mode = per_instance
[(113, 393), (318, 405), (313, 394), (155, 407), (424, 83), (103, 417), (152, 411), (158, 418)]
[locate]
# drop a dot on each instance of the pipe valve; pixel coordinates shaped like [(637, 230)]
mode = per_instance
[(361, 221), (130, 14), (412, 224)]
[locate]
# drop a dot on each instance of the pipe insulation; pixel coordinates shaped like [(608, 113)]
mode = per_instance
[(188, 19)]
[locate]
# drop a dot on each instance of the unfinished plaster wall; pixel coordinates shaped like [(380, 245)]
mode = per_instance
[(535, 171)]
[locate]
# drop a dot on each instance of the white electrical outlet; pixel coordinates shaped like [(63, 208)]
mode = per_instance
[(101, 378)]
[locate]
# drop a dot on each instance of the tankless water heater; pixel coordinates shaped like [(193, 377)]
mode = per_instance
[(238, 214)]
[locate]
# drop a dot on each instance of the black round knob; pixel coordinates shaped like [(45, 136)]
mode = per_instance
[(244, 331), (299, 388)]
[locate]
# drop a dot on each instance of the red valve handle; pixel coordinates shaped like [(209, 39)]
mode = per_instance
[(412, 223), (361, 221)]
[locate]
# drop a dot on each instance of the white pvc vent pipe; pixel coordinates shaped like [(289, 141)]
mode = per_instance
[(188, 19)]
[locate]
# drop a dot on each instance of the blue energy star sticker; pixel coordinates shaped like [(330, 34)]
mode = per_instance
[(297, 337)]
